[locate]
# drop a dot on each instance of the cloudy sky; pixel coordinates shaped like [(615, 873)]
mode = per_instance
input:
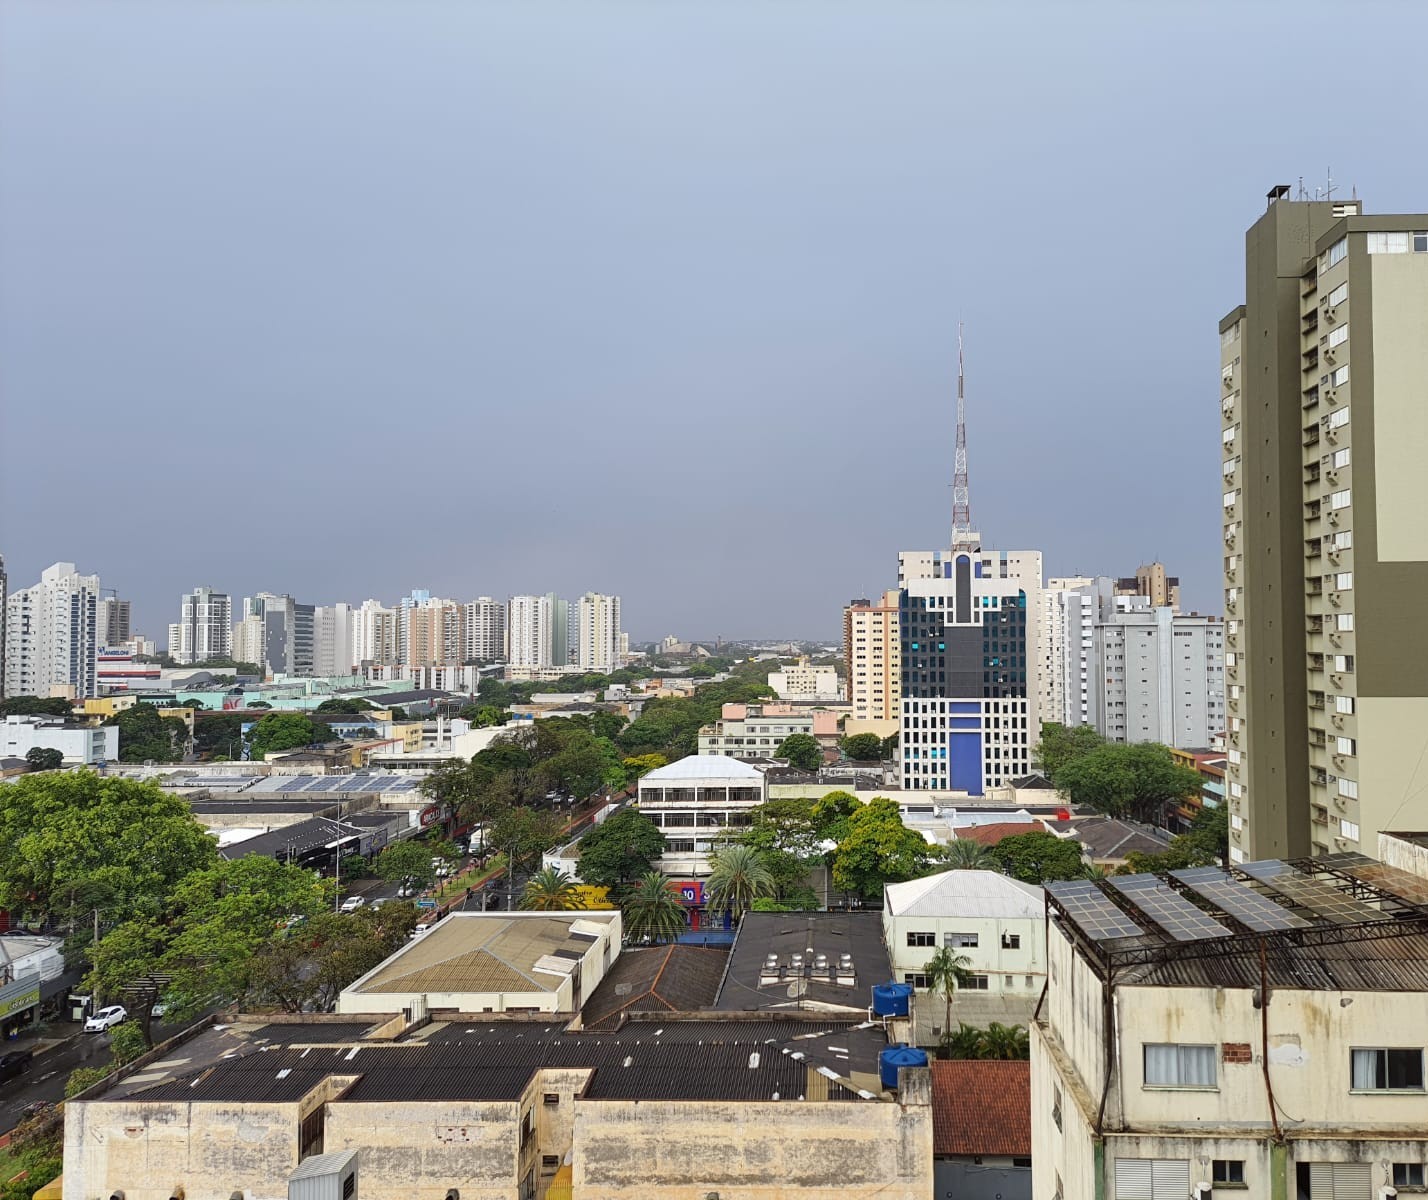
[(661, 299)]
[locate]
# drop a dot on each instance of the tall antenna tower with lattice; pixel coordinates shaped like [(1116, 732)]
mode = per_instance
[(964, 537)]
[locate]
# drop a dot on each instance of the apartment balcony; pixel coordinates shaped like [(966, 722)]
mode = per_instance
[(1311, 434), (1316, 662)]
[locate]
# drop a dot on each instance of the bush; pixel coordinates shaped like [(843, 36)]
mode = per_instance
[(127, 1042), (85, 1077)]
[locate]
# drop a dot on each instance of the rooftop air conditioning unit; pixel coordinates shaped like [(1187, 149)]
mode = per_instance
[(325, 1177)]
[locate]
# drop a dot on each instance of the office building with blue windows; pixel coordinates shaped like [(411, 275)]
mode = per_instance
[(969, 634)]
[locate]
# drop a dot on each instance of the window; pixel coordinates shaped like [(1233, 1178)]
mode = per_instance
[(921, 939), (1227, 1170), (1338, 295), (1387, 1070), (1344, 580), (1348, 829), (1344, 704), (1341, 499), (961, 941), (1021, 1162), (917, 981), (1171, 1065), (1394, 242), (1344, 539), (1337, 337), (977, 983), (1231, 497), (1152, 1178), (549, 1163), (1056, 1115), (1340, 376), (1338, 418), (1345, 745), (1333, 1181), (1348, 788), (1409, 1174), (1011, 941), (1335, 253), (1341, 458), (551, 1098), (1343, 662)]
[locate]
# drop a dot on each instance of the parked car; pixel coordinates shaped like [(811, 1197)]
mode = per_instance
[(13, 1062), (114, 1014), (159, 1009), (353, 903), (407, 890)]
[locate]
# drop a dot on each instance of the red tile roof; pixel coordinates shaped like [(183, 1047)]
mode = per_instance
[(990, 835), (981, 1107)]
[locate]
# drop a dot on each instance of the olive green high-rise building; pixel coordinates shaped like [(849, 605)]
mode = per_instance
[(1324, 396)]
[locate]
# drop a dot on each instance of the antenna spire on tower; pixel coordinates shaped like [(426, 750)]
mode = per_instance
[(963, 536)]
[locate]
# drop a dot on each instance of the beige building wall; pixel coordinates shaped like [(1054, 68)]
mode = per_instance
[(873, 658)]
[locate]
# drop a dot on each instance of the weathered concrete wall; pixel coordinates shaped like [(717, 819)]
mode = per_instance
[(1060, 1154), (146, 1149), (779, 1150), (416, 1151)]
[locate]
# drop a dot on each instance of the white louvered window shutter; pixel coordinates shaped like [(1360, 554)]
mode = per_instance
[(1352, 1181), (1135, 1179), (1170, 1178)]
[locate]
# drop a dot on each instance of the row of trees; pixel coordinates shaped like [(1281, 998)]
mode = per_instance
[(1139, 780)]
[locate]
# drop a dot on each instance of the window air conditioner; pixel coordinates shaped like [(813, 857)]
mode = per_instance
[(1328, 356), (1331, 396)]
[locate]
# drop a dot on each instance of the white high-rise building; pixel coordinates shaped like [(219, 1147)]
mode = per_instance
[(485, 630), (333, 628), (1070, 608), (204, 629), (51, 635), (374, 634), (529, 632), (598, 639)]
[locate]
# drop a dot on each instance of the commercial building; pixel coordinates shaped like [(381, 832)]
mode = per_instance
[(697, 801), (561, 631), (529, 633), (1255, 1032), (111, 621), (279, 632), (51, 635), (1152, 583), (803, 681), (872, 655), (1158, 677), (997, 923), (597, 620), (485, 630), (32, 979), (1326, 548), (80, 744), (821, 961), (969, 627), (204, 628)]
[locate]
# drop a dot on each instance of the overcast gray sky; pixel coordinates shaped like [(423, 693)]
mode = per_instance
[(654, 298)]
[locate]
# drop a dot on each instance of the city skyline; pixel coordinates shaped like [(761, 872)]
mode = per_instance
[(687, 317)]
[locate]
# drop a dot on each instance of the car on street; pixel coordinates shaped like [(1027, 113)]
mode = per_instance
[(13, 1062), (407, 890), (105, 1018), (353, 903), (159, 1009)]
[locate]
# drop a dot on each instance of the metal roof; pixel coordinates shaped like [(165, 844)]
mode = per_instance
[(963, 894), (702, 766)]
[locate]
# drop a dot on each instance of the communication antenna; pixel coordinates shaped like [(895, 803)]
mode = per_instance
[(963, 537)]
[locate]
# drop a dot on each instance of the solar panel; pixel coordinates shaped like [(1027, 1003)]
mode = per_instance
[(1388, 879), (1322, 899), (1086, 907), (1168, 908), (1243, 903)]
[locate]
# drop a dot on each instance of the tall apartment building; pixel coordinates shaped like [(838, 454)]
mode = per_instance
[(404, 606), (969, 633), (1326, 545), (112, 622), (1151, 581), (597, 622), (4, 592), (333, 630), (278, 633), (51, 635), (563, 634), (872, 656), (485, 630), (435, 633), (374, 634), (1069, 608), (529, 632), (204, 629)]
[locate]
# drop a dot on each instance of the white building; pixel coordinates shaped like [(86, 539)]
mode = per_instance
[(51, 635), (204, 629), (998, 923), (529, 632), (597, 622), (802, 681), (80, 744), (485, 630), (374, 634), (1259, 1034), (333, 633), (696, 802), (1069, 608)]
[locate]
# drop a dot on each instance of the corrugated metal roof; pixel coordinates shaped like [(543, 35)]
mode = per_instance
[(702, 766), (964, 894)]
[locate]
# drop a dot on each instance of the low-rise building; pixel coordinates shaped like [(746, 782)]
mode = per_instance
[(804, 681), (80, 744), (757, 730), (696, 802), (981, 1129), (1258, 1032)]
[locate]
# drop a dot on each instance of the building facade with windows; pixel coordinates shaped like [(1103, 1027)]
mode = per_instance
[(51, 635), (204, 629), (485, 630), (597, 623), (529, 632), (872, 653), (805, 681), (112, 621), (374, 635), (697, 802), (969, 630), (757, 730), (333, 630), (1258, 1032), (1325, 545)]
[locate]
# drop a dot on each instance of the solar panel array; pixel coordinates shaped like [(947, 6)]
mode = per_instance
[(1088, 908), (1243, 903), (1168, 908), (348, 783), (1320, 898)]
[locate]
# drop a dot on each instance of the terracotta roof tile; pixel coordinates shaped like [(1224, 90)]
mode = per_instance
[(990, 835), (981, 1107)]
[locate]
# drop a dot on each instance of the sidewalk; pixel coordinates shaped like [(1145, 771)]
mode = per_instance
[(55, 1033)]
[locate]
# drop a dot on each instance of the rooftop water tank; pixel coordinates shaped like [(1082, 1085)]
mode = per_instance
[(891, 999), (895, 1057)]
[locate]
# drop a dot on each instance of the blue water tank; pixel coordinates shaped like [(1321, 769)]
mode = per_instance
[(898, 1056), (891, 999)]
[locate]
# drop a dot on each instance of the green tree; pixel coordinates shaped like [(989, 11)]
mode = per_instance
[(144, 736), (1061, 744), (964, 854), (44, 758), (966, 1041), (863, 747), (524, 835), (643, 764), (878, 849), (217, 733), (127, 1042), (484, 716), (1127, 781), (80, 1079), (1039, 857), (1006, 1042), (621, 849), (349, 705), (33, 706), (737, 878), (552, 890), (801, 750), (832, 812), (276, 731), (652, 910), (1206, 843), (789, 843), (405, 861), (947, 970), (259, 704)]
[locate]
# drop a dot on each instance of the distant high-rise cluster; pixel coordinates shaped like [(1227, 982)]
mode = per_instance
[(51, 635)]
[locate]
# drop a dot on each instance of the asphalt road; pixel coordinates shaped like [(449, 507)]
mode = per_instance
[(48, 1072)]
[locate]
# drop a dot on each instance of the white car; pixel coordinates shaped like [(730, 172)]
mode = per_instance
[(159, 1009), (115, 1014), (407, 890), (353, 903)]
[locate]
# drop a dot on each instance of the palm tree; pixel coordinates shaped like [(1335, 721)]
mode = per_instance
[(1094, 871), (738, 877), (552, 890), (947, 971), (652, 910), (963, 854), (966, 1041), (1005, 1042)]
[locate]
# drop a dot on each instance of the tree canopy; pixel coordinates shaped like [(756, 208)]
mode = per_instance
[(350, 705), (878, 849), (622, 849), (29, 706), (863, 747), (1207, 842), (801, 750), (405, 862), (44, 758), (144, 736), (1039, 857), (277, 731), (669, 725), (1060, 744), (1127, 780)]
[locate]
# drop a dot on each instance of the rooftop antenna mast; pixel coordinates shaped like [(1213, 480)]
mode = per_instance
[(963, 537)]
